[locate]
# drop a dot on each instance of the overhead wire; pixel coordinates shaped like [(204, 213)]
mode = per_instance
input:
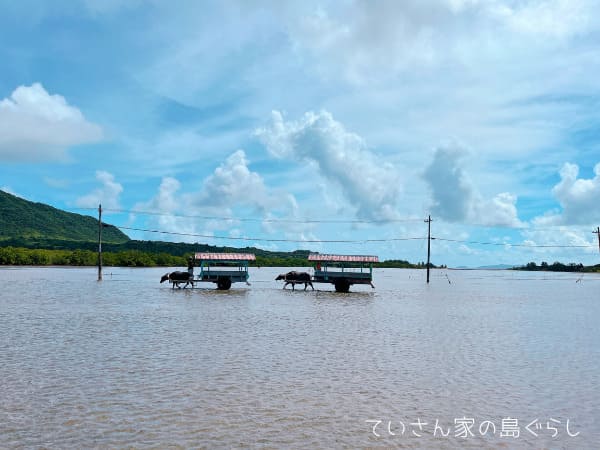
[(311, 221), (347, 241), (504, 244), (254, 219), (305, 220), (259, 239)]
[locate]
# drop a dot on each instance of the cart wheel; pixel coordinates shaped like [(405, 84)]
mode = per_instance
[(223, 284), (342, 285)]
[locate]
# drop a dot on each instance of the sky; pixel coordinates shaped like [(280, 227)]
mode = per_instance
[(334, 126)]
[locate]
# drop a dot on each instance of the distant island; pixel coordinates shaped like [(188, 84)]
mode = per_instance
[(39, 234), (558, 267)]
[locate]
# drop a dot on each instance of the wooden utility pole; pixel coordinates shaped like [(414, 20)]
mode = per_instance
[(598, 233), (100, 242), (428, 221)]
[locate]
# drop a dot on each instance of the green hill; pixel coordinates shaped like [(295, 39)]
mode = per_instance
[(38, 234), (28, 222), (35, 233)]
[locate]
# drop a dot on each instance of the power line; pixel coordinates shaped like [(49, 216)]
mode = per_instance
[(357, 221), (344, 241), (347, 241), (254, 219), (234, 238), (306, 220), (512, 245)]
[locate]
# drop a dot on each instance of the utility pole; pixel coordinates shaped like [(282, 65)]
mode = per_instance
[(597, 232), (100, 242), (428, 221)]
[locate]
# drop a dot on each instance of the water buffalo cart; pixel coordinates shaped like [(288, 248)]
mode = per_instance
[(222, 268), (343, 270)]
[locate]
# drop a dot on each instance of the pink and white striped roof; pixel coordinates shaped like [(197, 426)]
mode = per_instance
[(226, 256), (342, 258)]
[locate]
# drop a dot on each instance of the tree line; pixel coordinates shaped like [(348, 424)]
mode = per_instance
[(558, 267), (20, 256), (15, 256)]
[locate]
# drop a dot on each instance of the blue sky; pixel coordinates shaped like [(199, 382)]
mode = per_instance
[(284, 124)]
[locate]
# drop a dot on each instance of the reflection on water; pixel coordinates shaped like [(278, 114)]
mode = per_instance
[(129, 362)]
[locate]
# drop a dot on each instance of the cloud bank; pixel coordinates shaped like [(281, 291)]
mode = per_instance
[(370, 38)]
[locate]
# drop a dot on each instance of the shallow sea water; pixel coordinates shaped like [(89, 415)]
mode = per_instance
[(130, 363)]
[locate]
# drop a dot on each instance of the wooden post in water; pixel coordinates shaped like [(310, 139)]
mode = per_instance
[(428, 245), (598, 233), (100, 242)]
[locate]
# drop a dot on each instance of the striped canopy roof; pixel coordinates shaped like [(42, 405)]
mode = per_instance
[(342, 258), (226, 256)]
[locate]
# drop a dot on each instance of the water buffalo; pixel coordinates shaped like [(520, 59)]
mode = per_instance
[(177, 278), (294, 278)]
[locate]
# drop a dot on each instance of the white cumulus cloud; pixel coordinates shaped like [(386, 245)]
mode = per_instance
[(369, 183), (228, 192), (168, 207), (107, 194), (498, 211), (233, 183), (452, 193), (576, 242), (35, 125), (455, 199), (578, 198)]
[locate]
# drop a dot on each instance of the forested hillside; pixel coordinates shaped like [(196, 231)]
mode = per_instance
[(38, 234), (28, 222)]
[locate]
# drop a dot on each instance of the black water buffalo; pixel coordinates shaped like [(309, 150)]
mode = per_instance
[(294, 278), (177, 278)]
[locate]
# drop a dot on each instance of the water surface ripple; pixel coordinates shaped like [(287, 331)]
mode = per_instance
[(130, 363)]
